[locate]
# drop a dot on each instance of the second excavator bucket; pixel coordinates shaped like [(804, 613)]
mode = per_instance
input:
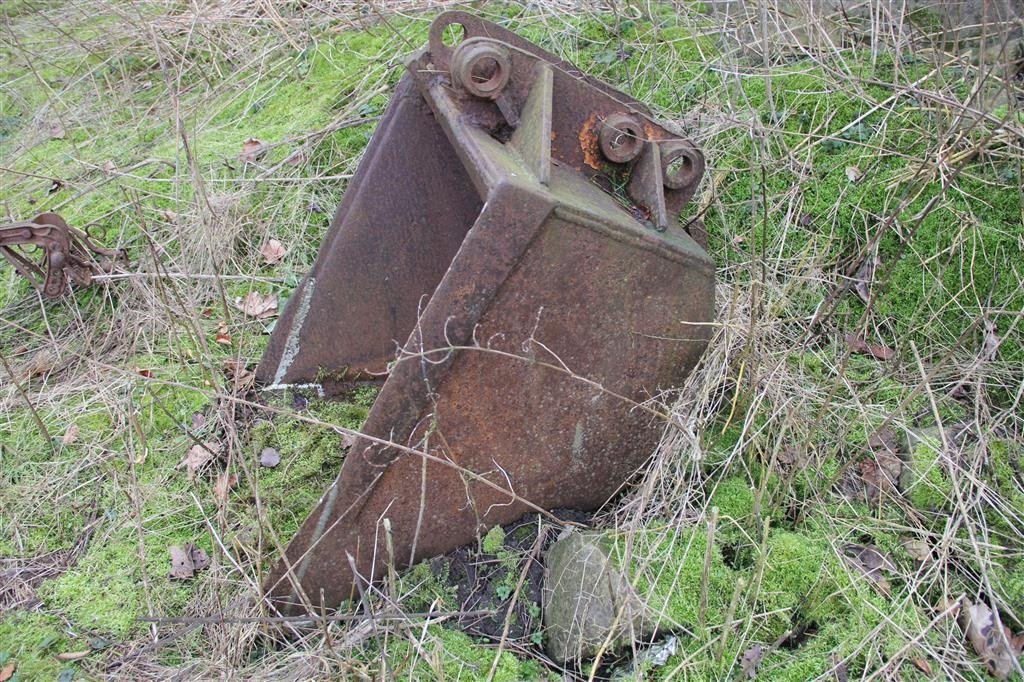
[(509, 255)]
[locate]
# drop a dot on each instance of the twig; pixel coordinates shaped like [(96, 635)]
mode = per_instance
[(309, 618)]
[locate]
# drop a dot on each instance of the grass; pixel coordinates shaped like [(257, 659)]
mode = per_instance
[(842, 144)]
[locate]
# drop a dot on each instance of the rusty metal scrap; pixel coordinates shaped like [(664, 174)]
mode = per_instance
[(67, 255), (509, 255)]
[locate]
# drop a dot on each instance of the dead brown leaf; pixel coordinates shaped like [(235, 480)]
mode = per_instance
[(71, 435), (750, 660), (232, 367), (198, 421), (922, 665), (990, 345), (225, 484), (198, 456), (273, 251), (243, 381), (853, 174), (950, 607), (871, 563), (56, 131), (296, 158), (109, 167), (186, 561), (260, 306), (786, 458), (876, 350), (870, 477), (69, 656), (252, 150), (864, 276), (993, 642), (241, 377), (890, 468), (223, 337), (42, 362), (7, 672), (917, 549), (1017, 643), (839, 669), (884, 440)]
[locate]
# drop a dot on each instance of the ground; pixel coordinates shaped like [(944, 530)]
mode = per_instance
[(846, 461)]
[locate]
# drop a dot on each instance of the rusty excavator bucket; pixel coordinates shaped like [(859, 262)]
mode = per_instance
[(509, 254)]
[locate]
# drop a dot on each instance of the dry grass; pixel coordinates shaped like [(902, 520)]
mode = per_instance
[(168, 91)]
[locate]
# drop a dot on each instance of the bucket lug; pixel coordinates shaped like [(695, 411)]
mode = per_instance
[(532, 139)]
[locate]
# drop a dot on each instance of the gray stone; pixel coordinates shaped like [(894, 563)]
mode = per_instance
[(916, 436), (588, 604)]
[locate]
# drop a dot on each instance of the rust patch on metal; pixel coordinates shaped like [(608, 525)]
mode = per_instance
[(654, 132), (519, 311), (590, 142)]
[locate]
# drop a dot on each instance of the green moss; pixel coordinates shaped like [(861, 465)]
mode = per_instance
[(734, 498), (665, 566), (494, 541), (1005, 474), (931, 304), (32, 641), (802, 579), (15, 8), (926, 20), (32, 475), (1006, 467), (1008, 584), (104, 591), (805, 588), (929, 488), (123, 573), (451, 655), (304, 91), (720, 443), (423, 588), (311, 455)]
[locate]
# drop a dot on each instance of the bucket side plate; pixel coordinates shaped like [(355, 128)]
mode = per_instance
[(398, 227)]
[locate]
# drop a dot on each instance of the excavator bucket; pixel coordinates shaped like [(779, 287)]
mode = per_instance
[(509, 256)]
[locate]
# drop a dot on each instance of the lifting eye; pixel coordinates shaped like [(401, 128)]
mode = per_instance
[(621, 138), (680, 165), (481, 68)]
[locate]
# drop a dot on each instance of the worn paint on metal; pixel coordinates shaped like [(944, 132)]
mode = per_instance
[(519, 311)]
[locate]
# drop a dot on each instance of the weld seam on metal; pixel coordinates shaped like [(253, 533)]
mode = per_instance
[(327, 507), (319, 388), (571, 215)]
